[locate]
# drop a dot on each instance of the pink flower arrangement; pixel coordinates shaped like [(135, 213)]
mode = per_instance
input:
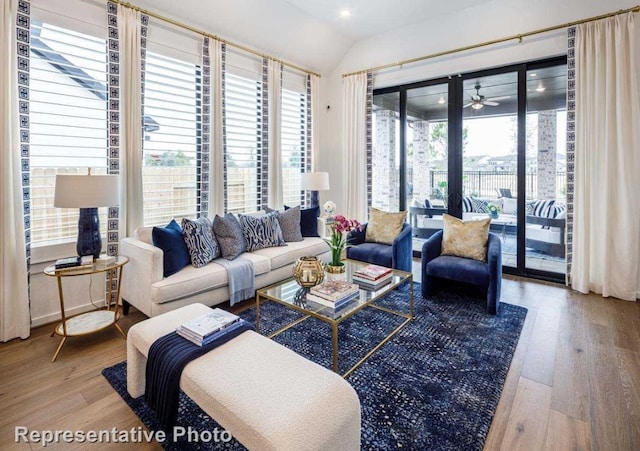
[(338, 241)]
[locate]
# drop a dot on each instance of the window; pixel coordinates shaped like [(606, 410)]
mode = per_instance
[(243, 123), (68, 122), (293, 141), (170, 143)]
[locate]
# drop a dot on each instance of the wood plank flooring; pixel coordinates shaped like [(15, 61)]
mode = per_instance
[(574, 382)]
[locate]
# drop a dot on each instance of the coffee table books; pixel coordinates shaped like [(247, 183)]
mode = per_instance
[(336, 305), (334, 290), (372, 277), (208, 327), (333, 293)]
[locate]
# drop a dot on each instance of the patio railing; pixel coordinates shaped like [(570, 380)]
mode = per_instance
[(485, 184)]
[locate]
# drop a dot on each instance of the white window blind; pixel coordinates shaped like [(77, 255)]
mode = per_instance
[(170, 143), (68, 120), (293, 141), (243, 121)]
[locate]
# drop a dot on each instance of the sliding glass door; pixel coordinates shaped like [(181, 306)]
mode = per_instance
[(490, 156), (487, 143)]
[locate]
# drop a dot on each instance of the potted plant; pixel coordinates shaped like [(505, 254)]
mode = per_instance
[(338, 241), (493, 210)]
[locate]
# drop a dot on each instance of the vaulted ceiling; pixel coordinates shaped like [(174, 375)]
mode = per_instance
[(310, 33)]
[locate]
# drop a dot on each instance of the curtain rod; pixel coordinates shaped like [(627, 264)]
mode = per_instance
[(494, 41), (212, 36)]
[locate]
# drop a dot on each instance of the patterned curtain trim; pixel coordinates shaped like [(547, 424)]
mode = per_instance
[(204, 150), (571, 146), (369, 137), (224, 127), (308, 152), (23, 25), (263, 138)]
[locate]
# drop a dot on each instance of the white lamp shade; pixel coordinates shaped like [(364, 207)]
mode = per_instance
[(86, 191), (315, 181)]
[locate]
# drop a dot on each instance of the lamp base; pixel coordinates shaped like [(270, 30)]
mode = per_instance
[(89, 241), (314, 199)]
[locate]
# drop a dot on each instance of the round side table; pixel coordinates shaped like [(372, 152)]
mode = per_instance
[(96, 320)]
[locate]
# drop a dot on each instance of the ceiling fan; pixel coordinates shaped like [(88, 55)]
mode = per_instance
[(478, 100)]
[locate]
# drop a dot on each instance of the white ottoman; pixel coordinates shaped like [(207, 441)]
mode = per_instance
[(266, 395)]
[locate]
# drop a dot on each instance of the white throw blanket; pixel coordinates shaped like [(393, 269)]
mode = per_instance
[(241, 276)]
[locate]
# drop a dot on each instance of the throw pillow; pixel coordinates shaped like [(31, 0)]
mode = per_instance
[(308, 221), (466, 239), (509, 205), (261, 231), (175, 254), (200, 241), (228, 232), (384, 227), (479, 206), (289, 221), (467, 204)]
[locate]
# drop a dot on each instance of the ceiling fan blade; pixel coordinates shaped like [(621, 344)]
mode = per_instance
[(488, 102), (468, 105), (493, 99)]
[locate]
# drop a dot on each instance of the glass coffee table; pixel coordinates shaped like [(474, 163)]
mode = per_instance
[(291, 295)]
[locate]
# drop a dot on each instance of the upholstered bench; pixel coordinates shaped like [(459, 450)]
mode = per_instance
[(267, 396)]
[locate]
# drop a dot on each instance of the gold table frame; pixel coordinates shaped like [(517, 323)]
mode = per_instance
[(367, 299), (95, 320)]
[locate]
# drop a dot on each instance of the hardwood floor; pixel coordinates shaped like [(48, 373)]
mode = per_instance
[(574, 383)]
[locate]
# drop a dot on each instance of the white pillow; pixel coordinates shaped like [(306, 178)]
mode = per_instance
[(509, 205)]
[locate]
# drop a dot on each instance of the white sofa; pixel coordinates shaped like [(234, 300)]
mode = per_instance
[(144, 287)]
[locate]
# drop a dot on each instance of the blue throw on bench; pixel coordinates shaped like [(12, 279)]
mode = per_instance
[(167, 358)]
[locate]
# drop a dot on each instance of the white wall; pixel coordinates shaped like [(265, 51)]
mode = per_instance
[(495, 20)]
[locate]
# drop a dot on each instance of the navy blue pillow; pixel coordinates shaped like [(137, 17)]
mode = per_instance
[(308, 221), (170, 240)]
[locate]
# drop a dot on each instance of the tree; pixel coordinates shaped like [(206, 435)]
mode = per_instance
[(439, 142), (167, 158)]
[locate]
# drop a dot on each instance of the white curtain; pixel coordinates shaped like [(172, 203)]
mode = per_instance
[(315, 120), (355, 144), (131, 214), (216, 169), (606, 234), (14, 292), (274, 80)]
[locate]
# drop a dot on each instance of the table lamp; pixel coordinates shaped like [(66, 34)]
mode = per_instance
[(87, 192), (314, 182)]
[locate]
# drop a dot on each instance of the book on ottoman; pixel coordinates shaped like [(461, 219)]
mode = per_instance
[(205, 328)]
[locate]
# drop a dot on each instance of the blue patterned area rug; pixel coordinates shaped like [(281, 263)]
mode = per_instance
[(434, 386)]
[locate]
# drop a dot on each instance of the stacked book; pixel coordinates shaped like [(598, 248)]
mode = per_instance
[(372, 277), (208, 327), (333, 293)]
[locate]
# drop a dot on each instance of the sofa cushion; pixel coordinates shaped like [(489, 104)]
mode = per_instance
[(261, 231), (378, 254), (282, 256), (144, 234), (175, 254), (456, 268), (289, 221), (189, 281), (198, 236), (384, 227), (466, 239), (509, 205), (228, 232), (308, 221)]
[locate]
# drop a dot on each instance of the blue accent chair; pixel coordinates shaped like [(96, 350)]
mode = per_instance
[(398, 255), (441, 270)]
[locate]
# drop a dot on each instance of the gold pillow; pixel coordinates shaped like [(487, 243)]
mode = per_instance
[(384, 227), (465, 238)]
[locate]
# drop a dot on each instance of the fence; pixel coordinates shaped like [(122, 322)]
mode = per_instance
[(485, 184)]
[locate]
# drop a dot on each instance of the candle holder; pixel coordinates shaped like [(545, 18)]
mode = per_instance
[(308, 271)]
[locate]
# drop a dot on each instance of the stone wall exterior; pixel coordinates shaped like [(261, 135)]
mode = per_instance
[(421, 170), (547, 135), (385, 178)]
